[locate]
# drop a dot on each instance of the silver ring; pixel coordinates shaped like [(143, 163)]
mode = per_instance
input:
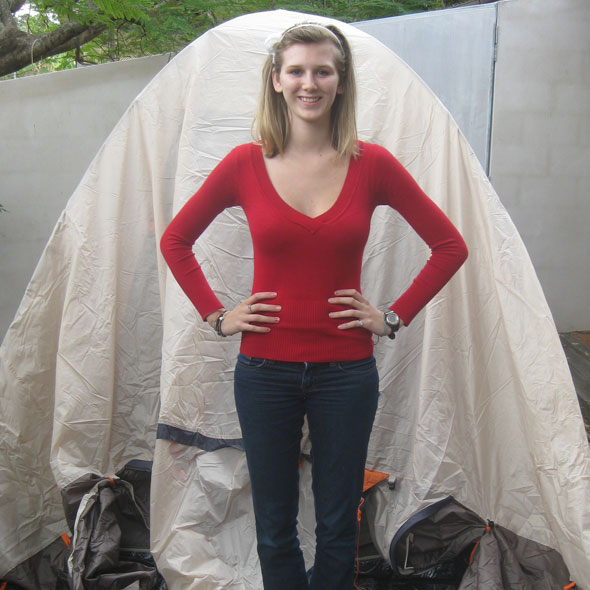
[(249, 308), (360, 323)]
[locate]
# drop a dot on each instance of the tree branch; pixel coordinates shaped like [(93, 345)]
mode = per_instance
[(89, 33), (16, 5), (19, 49), (6, 16)]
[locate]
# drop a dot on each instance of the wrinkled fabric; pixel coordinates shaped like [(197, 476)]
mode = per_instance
[(46, 570), (438, 534), (504, 560), (476, 396), (495, 558), (108, 525)]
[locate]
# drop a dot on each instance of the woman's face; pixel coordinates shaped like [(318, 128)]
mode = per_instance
[(309, 80)]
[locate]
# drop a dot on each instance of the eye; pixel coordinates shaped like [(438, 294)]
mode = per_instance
[(295, 71), (324, 72)]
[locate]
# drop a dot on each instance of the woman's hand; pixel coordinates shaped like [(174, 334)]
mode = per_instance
[(250, 310), (361, 313)]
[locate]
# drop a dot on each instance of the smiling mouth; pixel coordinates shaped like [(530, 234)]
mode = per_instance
[(309, 99)]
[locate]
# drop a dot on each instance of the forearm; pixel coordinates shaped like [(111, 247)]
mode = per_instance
[(218, 192), (447, 257)]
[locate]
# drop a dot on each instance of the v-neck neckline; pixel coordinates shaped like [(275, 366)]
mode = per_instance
[(337, 207)]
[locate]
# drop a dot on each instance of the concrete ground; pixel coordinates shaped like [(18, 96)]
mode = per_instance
[(577, 351)]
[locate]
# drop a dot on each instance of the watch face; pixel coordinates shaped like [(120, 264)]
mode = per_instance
[(392, 320)]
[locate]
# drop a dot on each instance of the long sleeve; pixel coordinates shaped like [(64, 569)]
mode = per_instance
[(397, 188), (219, 191)]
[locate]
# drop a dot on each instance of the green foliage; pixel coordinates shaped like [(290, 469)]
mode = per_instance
[(135, 28), (129, 11), (94, 11)]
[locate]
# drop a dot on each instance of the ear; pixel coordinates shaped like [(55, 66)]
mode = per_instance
[(276, 82)]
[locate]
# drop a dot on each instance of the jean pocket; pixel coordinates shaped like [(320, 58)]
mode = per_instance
[(359, 367), (250, 362)]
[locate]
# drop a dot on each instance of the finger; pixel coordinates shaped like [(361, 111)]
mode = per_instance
[(344, 314), (242, 323), (345, 301), (252, 328), (260, 307), (255, 297), (348, 293), (264, 319), (350, 325)]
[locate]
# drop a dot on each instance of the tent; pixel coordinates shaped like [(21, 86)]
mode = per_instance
[(107, 365)]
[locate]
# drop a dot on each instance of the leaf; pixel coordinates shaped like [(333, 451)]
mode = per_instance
[(122, 10)]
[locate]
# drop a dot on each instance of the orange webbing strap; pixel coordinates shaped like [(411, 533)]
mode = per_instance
[(570, 586), (372, 478), (488, 529), (3, 586), (358, 540)]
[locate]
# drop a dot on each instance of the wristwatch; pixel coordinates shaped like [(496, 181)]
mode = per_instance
[(218, 323), (392, 320)]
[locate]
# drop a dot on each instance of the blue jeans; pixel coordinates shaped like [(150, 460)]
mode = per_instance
[(340, 401)]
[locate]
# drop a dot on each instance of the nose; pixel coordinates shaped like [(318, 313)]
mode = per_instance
[(309, 81)]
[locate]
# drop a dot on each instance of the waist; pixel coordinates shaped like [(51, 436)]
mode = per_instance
[(303, 366), (306, 333)]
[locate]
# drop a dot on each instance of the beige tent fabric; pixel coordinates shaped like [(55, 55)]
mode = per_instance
[(476, 402)]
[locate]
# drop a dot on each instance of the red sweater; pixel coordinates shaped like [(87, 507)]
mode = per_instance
[(305, 260)]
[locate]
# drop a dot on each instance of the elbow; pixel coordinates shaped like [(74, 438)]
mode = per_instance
[(451, 253), (463, 251), (166, 243)]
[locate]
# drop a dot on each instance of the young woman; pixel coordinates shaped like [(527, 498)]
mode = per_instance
[(308, 188)]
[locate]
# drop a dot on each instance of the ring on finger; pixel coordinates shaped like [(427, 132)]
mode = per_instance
[(249, 308), (360, 323)]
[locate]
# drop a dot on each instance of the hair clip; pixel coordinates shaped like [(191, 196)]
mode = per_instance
[(270, 44)]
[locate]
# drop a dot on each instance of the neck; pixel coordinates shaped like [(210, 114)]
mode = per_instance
[(310, 138)]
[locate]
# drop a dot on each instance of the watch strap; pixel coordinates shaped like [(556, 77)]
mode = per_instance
[(218, 323)]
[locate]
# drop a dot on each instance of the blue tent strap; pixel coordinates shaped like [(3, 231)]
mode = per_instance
[(196, 439), (139, 465)]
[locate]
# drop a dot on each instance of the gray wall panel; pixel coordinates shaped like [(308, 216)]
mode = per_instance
[(51, 127), (453, 52), (540, 154)]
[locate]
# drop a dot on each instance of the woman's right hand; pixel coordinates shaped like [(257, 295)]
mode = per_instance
[(250, 310)]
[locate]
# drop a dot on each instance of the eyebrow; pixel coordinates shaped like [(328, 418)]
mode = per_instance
[(318, 66)]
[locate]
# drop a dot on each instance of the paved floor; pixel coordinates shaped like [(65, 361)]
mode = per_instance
[(576, 346)]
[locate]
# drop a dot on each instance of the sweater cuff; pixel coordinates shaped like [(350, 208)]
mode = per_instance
[(404, 316), (209, 306)]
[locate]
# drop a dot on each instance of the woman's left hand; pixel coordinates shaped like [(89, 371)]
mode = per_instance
[(361, 313)]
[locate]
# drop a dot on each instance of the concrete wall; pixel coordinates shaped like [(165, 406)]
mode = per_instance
[(453, 52), (51, 127), (540, 151)]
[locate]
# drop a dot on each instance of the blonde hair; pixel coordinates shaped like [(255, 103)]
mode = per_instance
[(271, 125)]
